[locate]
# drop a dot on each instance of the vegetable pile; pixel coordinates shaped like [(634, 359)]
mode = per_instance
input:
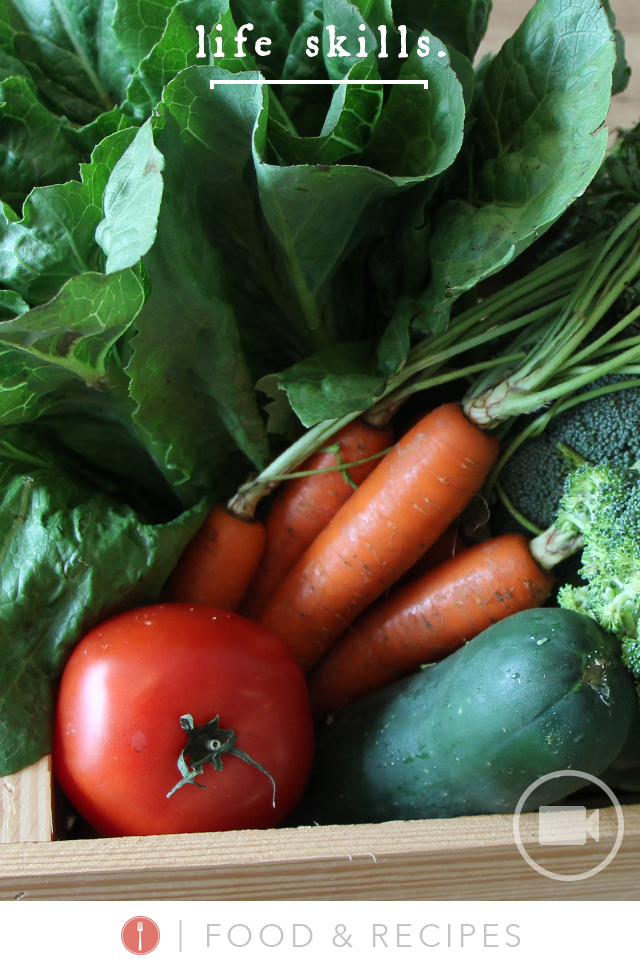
[(207, 288)]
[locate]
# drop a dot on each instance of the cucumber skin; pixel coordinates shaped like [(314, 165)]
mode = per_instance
[(540, 691)]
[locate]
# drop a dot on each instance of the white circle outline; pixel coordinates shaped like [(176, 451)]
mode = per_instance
[(142, 918), (538, 867)]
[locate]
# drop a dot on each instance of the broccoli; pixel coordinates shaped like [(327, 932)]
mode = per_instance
[(600, 511), (606, 428)]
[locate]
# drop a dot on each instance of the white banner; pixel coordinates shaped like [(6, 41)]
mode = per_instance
[(282, 936)]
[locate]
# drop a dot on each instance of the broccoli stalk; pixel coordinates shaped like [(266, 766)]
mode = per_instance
[(600, 511)]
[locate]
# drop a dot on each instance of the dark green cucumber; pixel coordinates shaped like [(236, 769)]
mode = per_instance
[(624, 772), (541, 691)]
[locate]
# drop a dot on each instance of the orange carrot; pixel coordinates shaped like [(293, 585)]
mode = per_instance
[(428, 618), (216, 567), (447, 546), (303, 507), (400, 510)]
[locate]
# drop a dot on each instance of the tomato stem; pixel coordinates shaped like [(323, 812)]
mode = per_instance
[(207, 744)]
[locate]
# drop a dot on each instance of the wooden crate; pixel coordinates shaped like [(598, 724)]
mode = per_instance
[(460, 859)]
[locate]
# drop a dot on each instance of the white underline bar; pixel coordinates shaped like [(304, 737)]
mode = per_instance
[(424, 84)]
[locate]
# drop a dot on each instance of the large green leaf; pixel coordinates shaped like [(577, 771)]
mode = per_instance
[(131, 203), (622, 70), (55, 240), (333, 383), (318, 213), (138, 26), (83, 55), (66, 340), (351, 118), (276, 19), (77, 329), (217, 127), (33, 149), (61, 41), (420, 131), (536, 143), (460, 23), (175, 50), (69, 557), (418, 136), (196, 403)]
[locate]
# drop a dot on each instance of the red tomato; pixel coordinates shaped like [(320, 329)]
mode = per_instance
[(118, 734)]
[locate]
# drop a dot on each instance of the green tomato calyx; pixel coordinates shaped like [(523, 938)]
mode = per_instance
[(208, 744)]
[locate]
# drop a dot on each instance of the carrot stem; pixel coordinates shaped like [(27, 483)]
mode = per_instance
[(343, 465), (516, 514), (534, 298), (305, 506)]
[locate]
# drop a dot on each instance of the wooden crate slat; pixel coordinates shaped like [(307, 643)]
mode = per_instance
[(464, 858), (26, 804)]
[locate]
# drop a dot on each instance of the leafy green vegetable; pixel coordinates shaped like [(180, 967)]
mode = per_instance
[(460, 23), (329, 384), (55, 240), (621, 71), (276, 19), (33, 149), (68, 338), (175, 50), (347, 128), (187, 351), (139, 26), (420, 132), (58, 41), (69, 558), (131, 203), (77, 329), (309, 208), (346, 20), (536, 143)]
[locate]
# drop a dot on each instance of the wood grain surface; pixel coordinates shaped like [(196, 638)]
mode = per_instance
[(468, 858), (26, 804)]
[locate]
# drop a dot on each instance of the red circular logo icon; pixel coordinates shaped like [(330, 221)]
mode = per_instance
[(140, 935)]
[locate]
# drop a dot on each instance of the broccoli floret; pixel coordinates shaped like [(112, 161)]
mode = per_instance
[(606, 428), (602, 504)]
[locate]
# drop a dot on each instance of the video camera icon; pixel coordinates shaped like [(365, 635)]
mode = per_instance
[(564, 825), (567, 826)]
